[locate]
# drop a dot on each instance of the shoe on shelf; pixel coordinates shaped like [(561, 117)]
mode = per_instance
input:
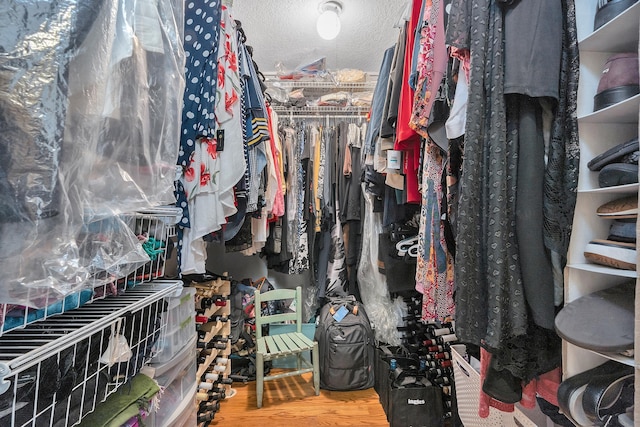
[(623, 230), (618, 174), (609, 9), (618, 81), (621, 153), (612, 254), (624, 207)]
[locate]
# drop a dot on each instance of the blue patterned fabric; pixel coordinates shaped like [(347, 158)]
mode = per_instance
[(201, 41)]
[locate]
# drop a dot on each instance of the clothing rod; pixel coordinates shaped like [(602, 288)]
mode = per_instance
[(329, 116)]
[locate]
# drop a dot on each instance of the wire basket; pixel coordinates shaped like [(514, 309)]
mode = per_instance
[(155, 227), (55, 372)]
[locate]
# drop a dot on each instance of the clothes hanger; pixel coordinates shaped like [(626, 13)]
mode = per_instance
[(403, 246)]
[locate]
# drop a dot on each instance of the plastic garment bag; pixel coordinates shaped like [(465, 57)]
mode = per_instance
[(385, 315), (90, 94)]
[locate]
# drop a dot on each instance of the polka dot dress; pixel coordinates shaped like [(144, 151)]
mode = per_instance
[(201, 41)]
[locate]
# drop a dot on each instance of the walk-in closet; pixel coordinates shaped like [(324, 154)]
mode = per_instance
[(417, 213)]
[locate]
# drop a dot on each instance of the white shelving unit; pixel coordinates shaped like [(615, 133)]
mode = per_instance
[(50, 371), (598, 131)]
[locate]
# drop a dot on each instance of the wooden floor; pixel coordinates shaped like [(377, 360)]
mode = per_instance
[(288, 401)]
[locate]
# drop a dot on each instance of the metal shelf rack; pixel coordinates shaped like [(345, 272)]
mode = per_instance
[(54, 372)]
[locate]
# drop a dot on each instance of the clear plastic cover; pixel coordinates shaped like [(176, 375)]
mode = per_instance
[(90, 102), (385, 317)]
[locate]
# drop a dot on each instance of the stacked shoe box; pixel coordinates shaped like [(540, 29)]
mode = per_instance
[(212, 307)]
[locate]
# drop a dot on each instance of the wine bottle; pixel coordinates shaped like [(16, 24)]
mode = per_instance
[(205, 386), (219, 368), (441, 340), (444, 330), (211, 344), (209, 396), (445, 363), (220, 338), (207, 324), (210, 376), (444, 380), (437, 372), (436, 356), (206, 417), (202, 303), (209, 406)]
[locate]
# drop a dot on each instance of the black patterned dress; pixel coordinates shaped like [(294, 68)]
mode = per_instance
[(491, 307)]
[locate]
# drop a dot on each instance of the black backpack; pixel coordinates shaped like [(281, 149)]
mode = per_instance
[(346, 345)]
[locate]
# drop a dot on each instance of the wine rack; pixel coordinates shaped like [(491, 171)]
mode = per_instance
[(213, 347)]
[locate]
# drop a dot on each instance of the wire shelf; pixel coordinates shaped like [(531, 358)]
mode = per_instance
[(321, 111), (325, 85), (55, 372), (154, 227)]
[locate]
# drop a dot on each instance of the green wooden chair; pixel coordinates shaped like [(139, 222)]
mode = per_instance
[(272, 347)]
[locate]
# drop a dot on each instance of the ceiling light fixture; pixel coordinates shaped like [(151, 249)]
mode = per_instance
[(328, 24)]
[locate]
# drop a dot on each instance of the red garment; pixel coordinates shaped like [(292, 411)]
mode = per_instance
[(406, 138), (546, 386), (410, 169), (278, 203)]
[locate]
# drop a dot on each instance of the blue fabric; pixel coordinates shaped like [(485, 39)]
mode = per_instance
[(377, 105), (413, 76), (201, 39), (70, 302)]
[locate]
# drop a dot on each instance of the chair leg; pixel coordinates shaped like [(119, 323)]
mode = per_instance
[(315, 355), (259, 378)]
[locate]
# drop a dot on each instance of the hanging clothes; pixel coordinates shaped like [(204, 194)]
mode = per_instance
[(201, 75), (431, 64), (198, 127), (406, 138), (228, 112), (377, 117), (491, 307), (275, 192), (208, 180), (298, 151), (434, 269), (257, 132)]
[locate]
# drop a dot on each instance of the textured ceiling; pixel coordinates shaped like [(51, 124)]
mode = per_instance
[(285, 31)]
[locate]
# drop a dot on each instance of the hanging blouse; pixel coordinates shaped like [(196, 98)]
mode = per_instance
[(406, 138), (434, 269), (275, 197), (201, 35), (228, 111), (277, 209), (431, 65), (297, 194)]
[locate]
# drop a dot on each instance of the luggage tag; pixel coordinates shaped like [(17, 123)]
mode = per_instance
[(341, 313)]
